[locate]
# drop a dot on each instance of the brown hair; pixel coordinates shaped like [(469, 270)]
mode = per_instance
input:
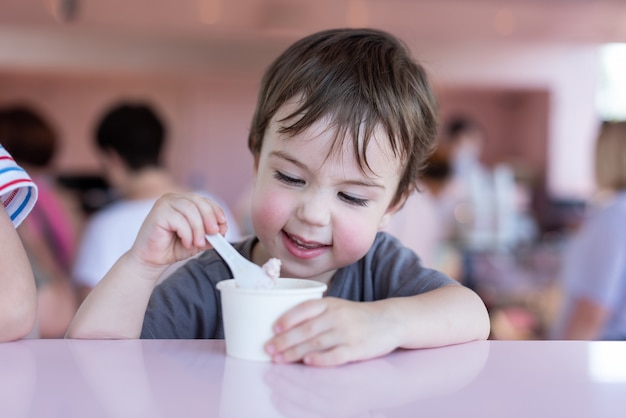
[(135, 131), (27, 136), (610, 158), (361, 79)]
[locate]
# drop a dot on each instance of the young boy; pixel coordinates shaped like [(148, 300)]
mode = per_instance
[(18, 294), (343, 123)]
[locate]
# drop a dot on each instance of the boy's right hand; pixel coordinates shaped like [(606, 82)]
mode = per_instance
[(175, 229)]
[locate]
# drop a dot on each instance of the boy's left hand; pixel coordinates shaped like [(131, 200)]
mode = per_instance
[(332, 331)]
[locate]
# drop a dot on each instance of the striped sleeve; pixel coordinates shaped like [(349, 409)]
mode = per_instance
[(18, 193)]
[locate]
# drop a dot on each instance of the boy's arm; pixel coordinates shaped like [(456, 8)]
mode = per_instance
[(18, 294), (115, 308), (174, 230), (449, 315), (334, 331)]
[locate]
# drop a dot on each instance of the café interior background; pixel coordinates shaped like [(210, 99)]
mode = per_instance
[(529, 70)]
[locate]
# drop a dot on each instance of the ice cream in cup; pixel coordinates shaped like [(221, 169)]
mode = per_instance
[(249, 314)]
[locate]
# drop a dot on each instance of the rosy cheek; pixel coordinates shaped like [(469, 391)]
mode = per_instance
[(268, 212), (354, 240)]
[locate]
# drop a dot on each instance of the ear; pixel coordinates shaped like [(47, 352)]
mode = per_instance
[(255, 164), (391, 210)]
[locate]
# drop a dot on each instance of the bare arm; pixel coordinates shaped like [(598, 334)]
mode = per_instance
[(17, 286), (333, 331), (448, 315), (115, 308), (174, 230), (586, 320)]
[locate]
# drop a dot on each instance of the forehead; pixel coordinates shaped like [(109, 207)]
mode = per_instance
[(337, 144)]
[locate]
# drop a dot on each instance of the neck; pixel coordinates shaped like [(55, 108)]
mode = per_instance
[(149, 183)]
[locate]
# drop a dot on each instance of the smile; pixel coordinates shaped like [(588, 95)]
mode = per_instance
[(304, 245)]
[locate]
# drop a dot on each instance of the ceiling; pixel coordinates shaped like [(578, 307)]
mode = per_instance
[(257, 20), (246, 34)]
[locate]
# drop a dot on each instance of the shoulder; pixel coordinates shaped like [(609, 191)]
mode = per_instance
[(597, 250), (615, 210), (390, 269), (387, 246), (127, 207), (123, 211), (606, 219)]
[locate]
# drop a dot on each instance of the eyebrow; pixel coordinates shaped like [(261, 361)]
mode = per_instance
[(292, 160)]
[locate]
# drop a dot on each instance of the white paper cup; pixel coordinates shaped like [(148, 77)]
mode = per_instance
[(249, 314)]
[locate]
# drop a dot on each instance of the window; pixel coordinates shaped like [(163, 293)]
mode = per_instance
[(611, 95)]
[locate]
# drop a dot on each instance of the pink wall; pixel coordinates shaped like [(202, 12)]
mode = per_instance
[(515, 121), (208, 120), (541, 114), (568, 72)]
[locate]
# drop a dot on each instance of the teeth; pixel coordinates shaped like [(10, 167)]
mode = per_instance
[(305, 246)]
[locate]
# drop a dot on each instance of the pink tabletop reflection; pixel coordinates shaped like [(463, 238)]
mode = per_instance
[(194, 378)]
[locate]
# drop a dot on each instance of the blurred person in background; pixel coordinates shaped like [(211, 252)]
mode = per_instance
[(453, 210), (426, 222), (129, 139), (462, 141), (594, 264), (51, 231)]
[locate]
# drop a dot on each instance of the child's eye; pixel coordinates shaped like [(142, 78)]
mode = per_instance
[(287, 179), (352, 200)]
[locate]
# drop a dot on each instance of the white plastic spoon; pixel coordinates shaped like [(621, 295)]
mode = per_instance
[(246, 273)]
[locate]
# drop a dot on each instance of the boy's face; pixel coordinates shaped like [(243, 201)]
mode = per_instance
[(318, 214)]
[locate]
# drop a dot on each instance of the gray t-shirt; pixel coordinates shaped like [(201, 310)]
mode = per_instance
[(187, 304)]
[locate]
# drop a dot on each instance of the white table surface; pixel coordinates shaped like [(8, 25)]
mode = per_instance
[(195, 378)]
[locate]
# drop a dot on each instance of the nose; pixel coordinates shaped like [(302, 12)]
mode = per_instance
[(314, 208)]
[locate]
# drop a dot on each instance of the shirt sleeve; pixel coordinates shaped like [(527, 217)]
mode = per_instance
[(18, 192), (186, 305), (403, 272), (388, 270)]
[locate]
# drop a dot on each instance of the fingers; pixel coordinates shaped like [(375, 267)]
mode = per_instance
[(308, 333), (293, 329), (336, 356), (175, 228), (193, 216), (300, 314), (326, 349), (328, 332)]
